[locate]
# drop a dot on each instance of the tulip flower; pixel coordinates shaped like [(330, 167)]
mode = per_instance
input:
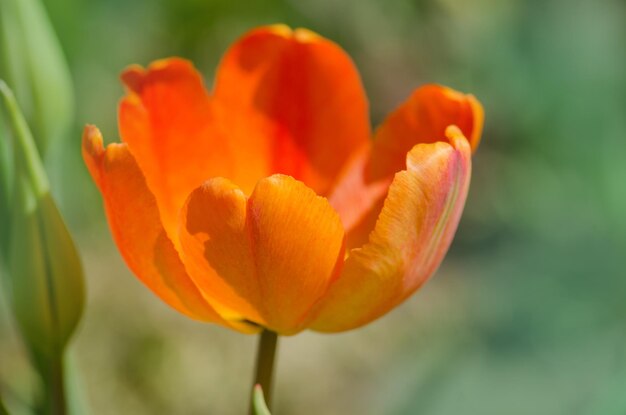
[(266, 204)]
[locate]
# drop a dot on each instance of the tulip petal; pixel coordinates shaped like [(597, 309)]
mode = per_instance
[(136, 227), (423, 118), (358, 200), (275, 252), (298, 244), (169, 124), (411, 237), (296, 100), (359, 194), (216, 249)]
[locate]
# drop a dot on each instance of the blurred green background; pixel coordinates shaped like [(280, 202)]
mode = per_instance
[(527, 315)]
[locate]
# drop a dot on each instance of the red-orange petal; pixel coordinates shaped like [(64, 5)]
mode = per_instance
[(412, 234), (169, 123), (296, 100), (358, 196), (423, 118), (275, 253), (136, 227), (357, 199)]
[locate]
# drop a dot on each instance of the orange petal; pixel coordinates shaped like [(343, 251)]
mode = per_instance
[(296, 100), (169, 124), (357, 199), (275, 254), (137, 230), (423, 118), (216, 249), (411, 237), (358, 196)]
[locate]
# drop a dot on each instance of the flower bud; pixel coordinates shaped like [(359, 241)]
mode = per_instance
[(44, 274)]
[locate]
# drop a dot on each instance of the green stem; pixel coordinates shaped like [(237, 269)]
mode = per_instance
[(55, 388), (24, 147), (3, 409), (264, 370)]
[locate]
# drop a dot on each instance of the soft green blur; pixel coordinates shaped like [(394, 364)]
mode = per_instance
[(41, 272), (44, 281), (32, 63), (527, 315)]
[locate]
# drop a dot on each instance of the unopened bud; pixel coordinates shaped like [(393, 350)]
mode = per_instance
[(45, 285)]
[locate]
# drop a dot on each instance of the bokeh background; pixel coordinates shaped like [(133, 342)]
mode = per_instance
[(527, 315)]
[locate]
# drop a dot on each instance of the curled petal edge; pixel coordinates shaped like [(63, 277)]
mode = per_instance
[(135, 224), (411, 237), (259, 244)]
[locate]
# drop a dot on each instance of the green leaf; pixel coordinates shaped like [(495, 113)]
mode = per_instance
[(6, 188), (258, 402), (31, 60), (44, 273), (26, 153)]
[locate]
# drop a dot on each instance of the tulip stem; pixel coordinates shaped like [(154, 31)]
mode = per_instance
[(3, 409), (55, 385), (264, 370)]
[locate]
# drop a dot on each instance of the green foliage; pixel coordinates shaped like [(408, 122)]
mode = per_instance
[(32, 62), (3, 409), (44, 277), (6, 187), (258, 402)]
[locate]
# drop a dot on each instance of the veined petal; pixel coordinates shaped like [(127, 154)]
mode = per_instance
[(298, 243), (136, 227), (275, 252), (359, 194), (216, 249), (412, 234), (170, 126), (423, 118), (295, 100)]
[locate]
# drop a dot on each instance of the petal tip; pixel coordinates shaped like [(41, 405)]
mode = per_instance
[(457, 139), (303, 35), (219, 183), (92, 141), (93, 151), (134, 76), (300, 34), (131, 77), (280, 29)]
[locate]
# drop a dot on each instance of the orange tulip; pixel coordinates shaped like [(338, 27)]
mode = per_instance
[(265, 204)]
